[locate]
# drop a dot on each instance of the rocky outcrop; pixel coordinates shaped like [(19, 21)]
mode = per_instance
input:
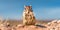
[(29, 27), (54, 25)]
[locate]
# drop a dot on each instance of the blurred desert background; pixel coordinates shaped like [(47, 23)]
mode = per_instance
[(16, 22)]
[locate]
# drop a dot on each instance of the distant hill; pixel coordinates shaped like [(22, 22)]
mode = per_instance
[(16, 22)]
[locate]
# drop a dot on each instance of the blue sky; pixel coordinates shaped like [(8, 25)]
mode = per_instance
[(43, 9)]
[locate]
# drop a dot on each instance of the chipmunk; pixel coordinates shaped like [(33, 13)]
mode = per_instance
[(28, 16)]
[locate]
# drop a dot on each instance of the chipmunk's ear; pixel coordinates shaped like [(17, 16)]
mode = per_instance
[(30, 6), (24, 6)]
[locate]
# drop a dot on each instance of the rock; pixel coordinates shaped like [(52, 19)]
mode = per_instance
[(54, 25), (30, 27)]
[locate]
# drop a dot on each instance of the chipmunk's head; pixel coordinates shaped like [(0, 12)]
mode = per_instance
[(27, 7)]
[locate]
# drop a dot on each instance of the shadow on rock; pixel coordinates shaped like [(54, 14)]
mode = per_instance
[(41, 26)]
